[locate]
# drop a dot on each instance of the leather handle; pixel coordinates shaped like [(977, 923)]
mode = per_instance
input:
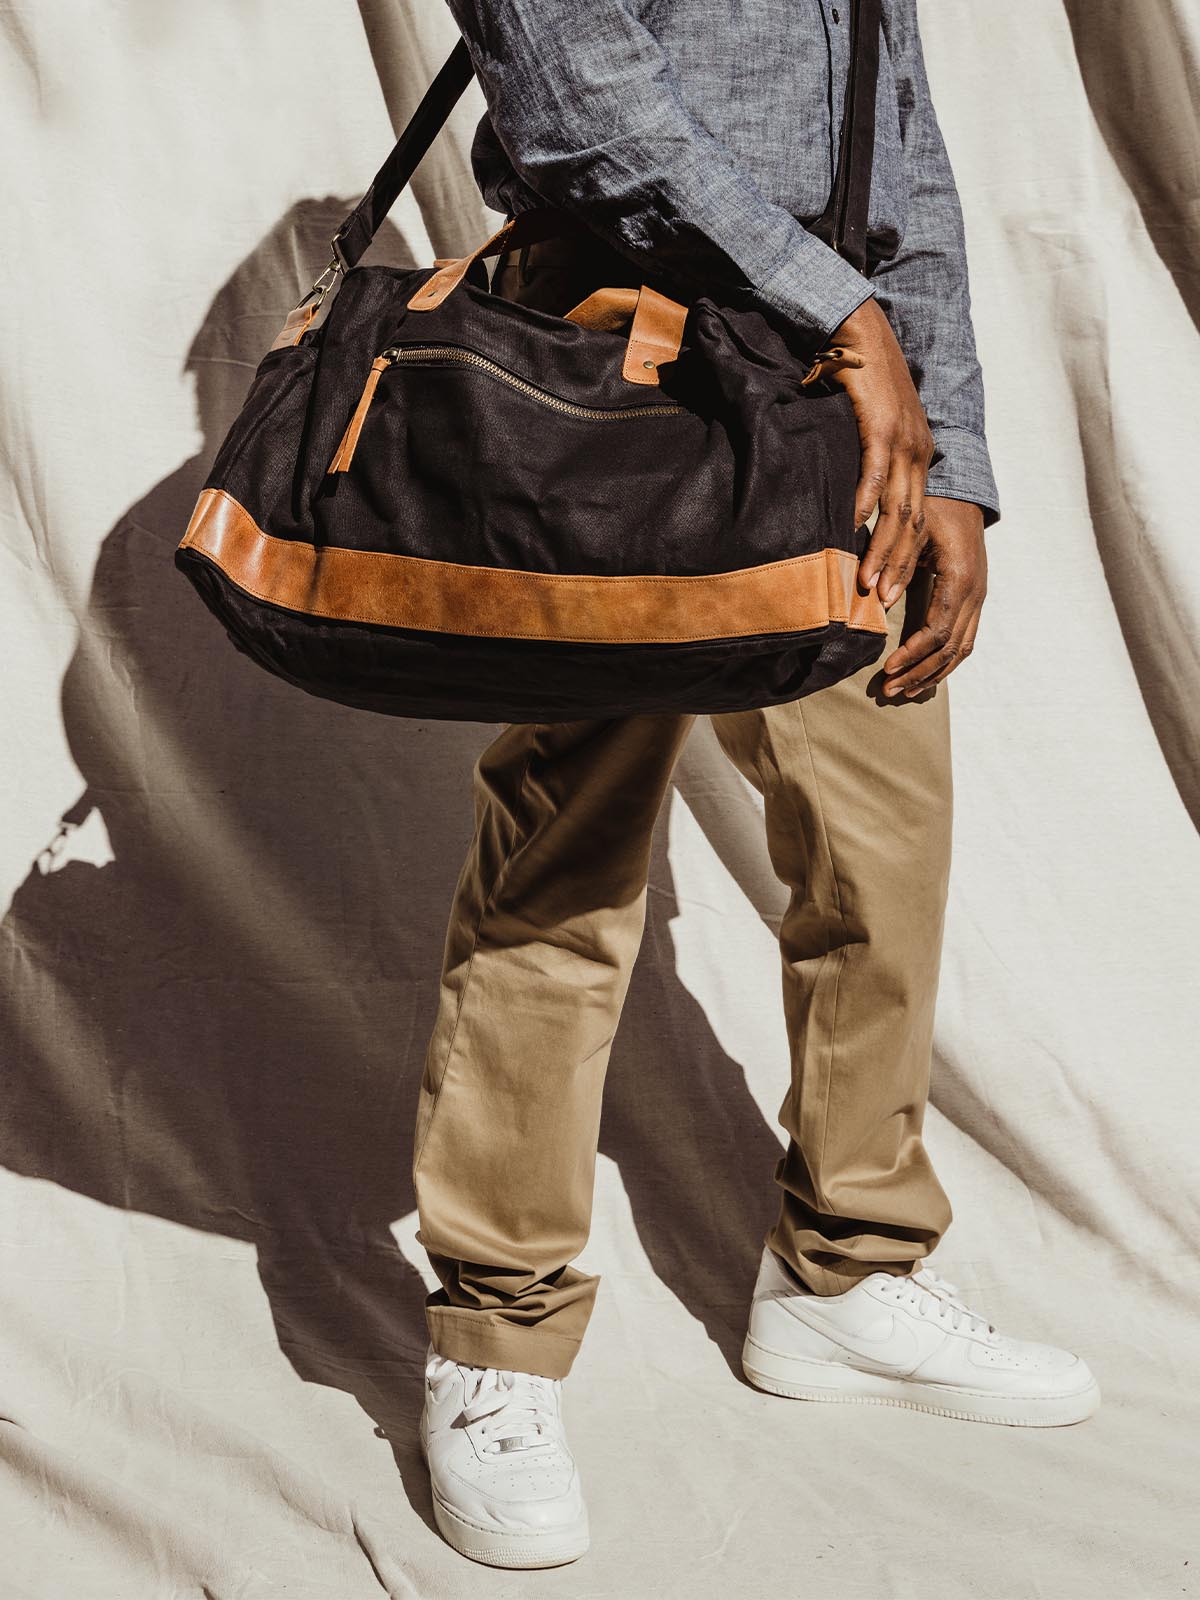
[(655, 332), (655, 336), (529, 227), (606, 309)]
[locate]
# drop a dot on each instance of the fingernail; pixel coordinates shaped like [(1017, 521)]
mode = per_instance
[(892, 593), (872, 580)]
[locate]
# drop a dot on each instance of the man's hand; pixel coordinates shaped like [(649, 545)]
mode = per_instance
[(953, 550), (897, 447), (945, 536)]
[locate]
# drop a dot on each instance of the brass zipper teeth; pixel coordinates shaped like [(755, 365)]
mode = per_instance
[(416, 354)]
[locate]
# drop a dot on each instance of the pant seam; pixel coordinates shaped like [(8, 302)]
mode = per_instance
[(501, 876)]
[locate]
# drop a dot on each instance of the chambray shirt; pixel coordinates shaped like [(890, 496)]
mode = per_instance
[(706, 132)]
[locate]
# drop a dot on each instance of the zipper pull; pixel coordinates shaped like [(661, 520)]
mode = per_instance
[(831, 360), (344, 454)]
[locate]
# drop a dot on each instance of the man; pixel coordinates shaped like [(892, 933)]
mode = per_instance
[(694, 141)]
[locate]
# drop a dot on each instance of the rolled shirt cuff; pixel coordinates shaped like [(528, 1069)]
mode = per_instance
[(814, 288), (962, 470)]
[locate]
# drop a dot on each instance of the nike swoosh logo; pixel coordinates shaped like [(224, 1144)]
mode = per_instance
[(901, 1341)]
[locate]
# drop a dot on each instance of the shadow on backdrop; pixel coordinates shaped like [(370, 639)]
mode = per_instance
[(1142, 81), (225, 1025)]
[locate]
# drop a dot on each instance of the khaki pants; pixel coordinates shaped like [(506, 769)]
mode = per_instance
[(544, 930)]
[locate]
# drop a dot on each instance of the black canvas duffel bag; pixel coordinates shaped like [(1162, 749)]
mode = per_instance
[(439, 503)]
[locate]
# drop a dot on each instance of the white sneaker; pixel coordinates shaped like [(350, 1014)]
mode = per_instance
[(505, 1487), (906, 1341)]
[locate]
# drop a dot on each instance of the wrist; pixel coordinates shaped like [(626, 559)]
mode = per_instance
[(961, 516), (864, 326)]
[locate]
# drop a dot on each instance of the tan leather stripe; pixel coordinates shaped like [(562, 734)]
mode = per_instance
[(444, 597)]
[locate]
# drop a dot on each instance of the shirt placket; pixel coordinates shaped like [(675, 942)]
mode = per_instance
[(836, 18)]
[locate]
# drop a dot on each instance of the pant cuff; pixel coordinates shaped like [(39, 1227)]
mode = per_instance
[(836, 1278), (476, 1339)]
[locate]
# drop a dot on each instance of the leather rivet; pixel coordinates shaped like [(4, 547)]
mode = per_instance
[(649, 364)]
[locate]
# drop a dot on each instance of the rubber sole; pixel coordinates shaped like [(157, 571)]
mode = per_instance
[(805, 1378), (494, 1548)]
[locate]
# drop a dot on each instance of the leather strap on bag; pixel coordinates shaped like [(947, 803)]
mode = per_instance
[(360, 227), (427, 121)]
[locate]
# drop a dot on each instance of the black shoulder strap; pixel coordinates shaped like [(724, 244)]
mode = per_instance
[(843, 223), (439, 100)]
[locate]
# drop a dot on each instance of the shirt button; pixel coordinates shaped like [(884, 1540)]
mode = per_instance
[(835, 15)]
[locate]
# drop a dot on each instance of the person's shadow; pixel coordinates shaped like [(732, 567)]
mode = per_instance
[(224, 1025)]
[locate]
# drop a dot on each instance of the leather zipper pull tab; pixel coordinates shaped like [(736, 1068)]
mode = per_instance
[(831, 360), (344, 454)]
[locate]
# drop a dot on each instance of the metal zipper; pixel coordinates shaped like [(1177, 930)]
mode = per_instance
[(431, 354)]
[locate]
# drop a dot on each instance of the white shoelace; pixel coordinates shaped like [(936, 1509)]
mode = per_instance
[(516, 1409), (934, 1297)]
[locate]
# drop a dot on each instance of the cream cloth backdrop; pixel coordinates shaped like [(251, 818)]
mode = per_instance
[(225, 902)]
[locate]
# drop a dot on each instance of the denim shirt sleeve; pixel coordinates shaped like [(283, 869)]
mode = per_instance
[(923, 287), (591, 120)]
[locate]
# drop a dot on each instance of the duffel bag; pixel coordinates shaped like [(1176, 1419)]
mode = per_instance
[(440, 503)]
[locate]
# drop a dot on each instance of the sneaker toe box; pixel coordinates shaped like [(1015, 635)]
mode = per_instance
[(1040, 1368), (533, 1498)]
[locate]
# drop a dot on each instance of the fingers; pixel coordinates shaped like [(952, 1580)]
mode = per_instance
[(899, 537), (904, 513), (939, 663), (943, 641), (899, 490), (876, 461)]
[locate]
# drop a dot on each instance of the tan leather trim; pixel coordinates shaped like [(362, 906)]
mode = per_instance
[(655, 337), (527, 228), (296, 325), (449, 275), (344, 454), (605, 309), (444, 597), (655, 334)]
